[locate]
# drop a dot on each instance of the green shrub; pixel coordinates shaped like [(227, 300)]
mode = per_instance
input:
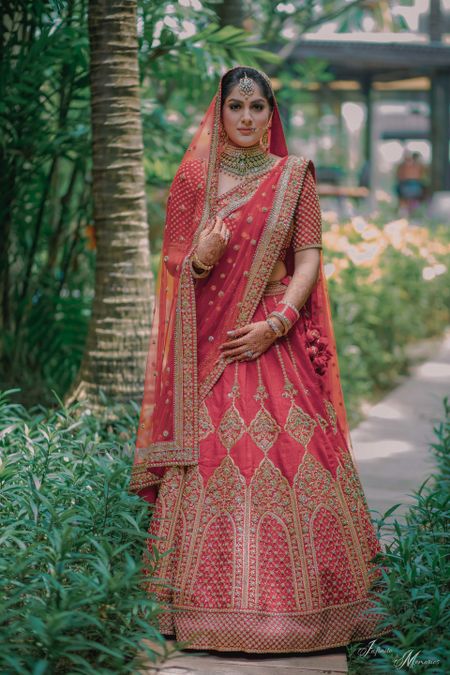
[(72, 537), (416, 595)]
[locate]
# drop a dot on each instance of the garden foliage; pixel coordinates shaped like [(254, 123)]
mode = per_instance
[(416, 591), (47, 238), (72, 538)]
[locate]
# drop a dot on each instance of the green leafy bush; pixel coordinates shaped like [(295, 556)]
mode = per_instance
[(72, 598), (416, 595)]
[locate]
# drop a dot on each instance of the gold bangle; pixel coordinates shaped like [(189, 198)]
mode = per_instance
[(278, 332), (198, 275), (198, 263), (284, 320)]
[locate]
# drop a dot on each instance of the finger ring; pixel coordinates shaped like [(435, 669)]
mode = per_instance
[(249, 353)]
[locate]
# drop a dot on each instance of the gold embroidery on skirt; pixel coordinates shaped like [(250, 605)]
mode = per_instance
[(300, 425), (271, 551), (231, 426), (332, 415), (323, 423), (204, 422), (263, 429)]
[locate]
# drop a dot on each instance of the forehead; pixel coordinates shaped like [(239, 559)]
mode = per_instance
[(236, 94)]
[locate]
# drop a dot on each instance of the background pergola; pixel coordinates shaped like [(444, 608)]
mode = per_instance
[(413, 70)]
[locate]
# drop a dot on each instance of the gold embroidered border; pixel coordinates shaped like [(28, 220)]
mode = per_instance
[(261, 632), (185, 448), (185, 375), (269, 246), (303, 248), (278, 223), (141, 478)]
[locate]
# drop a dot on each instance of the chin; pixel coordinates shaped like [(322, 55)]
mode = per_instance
[(245, 142)]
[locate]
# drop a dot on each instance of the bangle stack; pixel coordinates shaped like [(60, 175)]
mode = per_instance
[(287, 313), (197, 263), (274, 327)]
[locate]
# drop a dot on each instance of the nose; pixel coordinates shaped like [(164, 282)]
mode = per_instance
[(246, 118)]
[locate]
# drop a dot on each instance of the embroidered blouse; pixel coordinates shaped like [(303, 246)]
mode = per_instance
[(307, 230)]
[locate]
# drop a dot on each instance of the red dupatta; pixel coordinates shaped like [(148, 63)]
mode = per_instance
[(184, 361)]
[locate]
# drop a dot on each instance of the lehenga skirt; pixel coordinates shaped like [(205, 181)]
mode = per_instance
[(267, 544)]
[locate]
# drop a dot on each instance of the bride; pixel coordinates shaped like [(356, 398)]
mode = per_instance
[(243, 446)]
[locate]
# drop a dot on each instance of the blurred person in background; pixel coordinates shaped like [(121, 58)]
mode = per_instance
[(411, 186)]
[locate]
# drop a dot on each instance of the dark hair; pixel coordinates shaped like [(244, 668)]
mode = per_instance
[(231, 79)]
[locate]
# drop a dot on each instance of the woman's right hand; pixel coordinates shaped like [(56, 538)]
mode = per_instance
[(212, 242)]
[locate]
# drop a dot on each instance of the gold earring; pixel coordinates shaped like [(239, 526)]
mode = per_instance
[(223, 136), (265, 139)]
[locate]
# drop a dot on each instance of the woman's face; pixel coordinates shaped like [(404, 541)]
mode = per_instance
[(245, 118)]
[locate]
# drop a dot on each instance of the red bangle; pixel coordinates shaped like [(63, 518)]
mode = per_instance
[(288, 311)]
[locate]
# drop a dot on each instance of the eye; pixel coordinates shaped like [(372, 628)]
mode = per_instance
[(258, 106), (234, 106)]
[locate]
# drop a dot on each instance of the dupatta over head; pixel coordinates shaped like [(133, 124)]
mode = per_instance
[(184, 361)]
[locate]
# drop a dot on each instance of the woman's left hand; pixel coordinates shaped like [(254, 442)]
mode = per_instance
[(254, 337)]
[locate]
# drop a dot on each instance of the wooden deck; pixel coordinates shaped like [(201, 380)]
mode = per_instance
[(329, 662)]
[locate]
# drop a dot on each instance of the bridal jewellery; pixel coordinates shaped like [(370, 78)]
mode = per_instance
[(287, 313), (278, 332), (197, 264), (241, 161), (246, 86)]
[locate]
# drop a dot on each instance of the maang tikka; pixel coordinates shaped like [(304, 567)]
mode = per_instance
[(246, 86)]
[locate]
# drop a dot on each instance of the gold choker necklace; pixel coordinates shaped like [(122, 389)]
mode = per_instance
[(239, 161)]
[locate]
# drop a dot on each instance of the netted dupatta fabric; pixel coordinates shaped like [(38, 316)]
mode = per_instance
[(183, 360)]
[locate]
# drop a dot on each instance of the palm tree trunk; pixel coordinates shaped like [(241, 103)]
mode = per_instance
[(117, 343)]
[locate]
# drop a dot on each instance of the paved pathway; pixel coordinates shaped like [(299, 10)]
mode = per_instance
[(392, 443), (393, 459)]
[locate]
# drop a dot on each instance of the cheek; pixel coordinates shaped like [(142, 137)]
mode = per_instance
[(262, 118), (228, 117)]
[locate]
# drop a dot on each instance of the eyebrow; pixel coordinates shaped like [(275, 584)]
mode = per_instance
[(239, 100)]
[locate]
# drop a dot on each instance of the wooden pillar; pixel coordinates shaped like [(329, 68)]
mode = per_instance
[(440, 131), (366, 86), (341, 156), (368, 140), (435, 22), (439, 109)]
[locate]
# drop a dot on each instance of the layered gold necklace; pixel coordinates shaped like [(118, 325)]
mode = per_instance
[(239, 161)]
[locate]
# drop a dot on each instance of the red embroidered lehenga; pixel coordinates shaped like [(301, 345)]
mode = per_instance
[(258, 506)]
